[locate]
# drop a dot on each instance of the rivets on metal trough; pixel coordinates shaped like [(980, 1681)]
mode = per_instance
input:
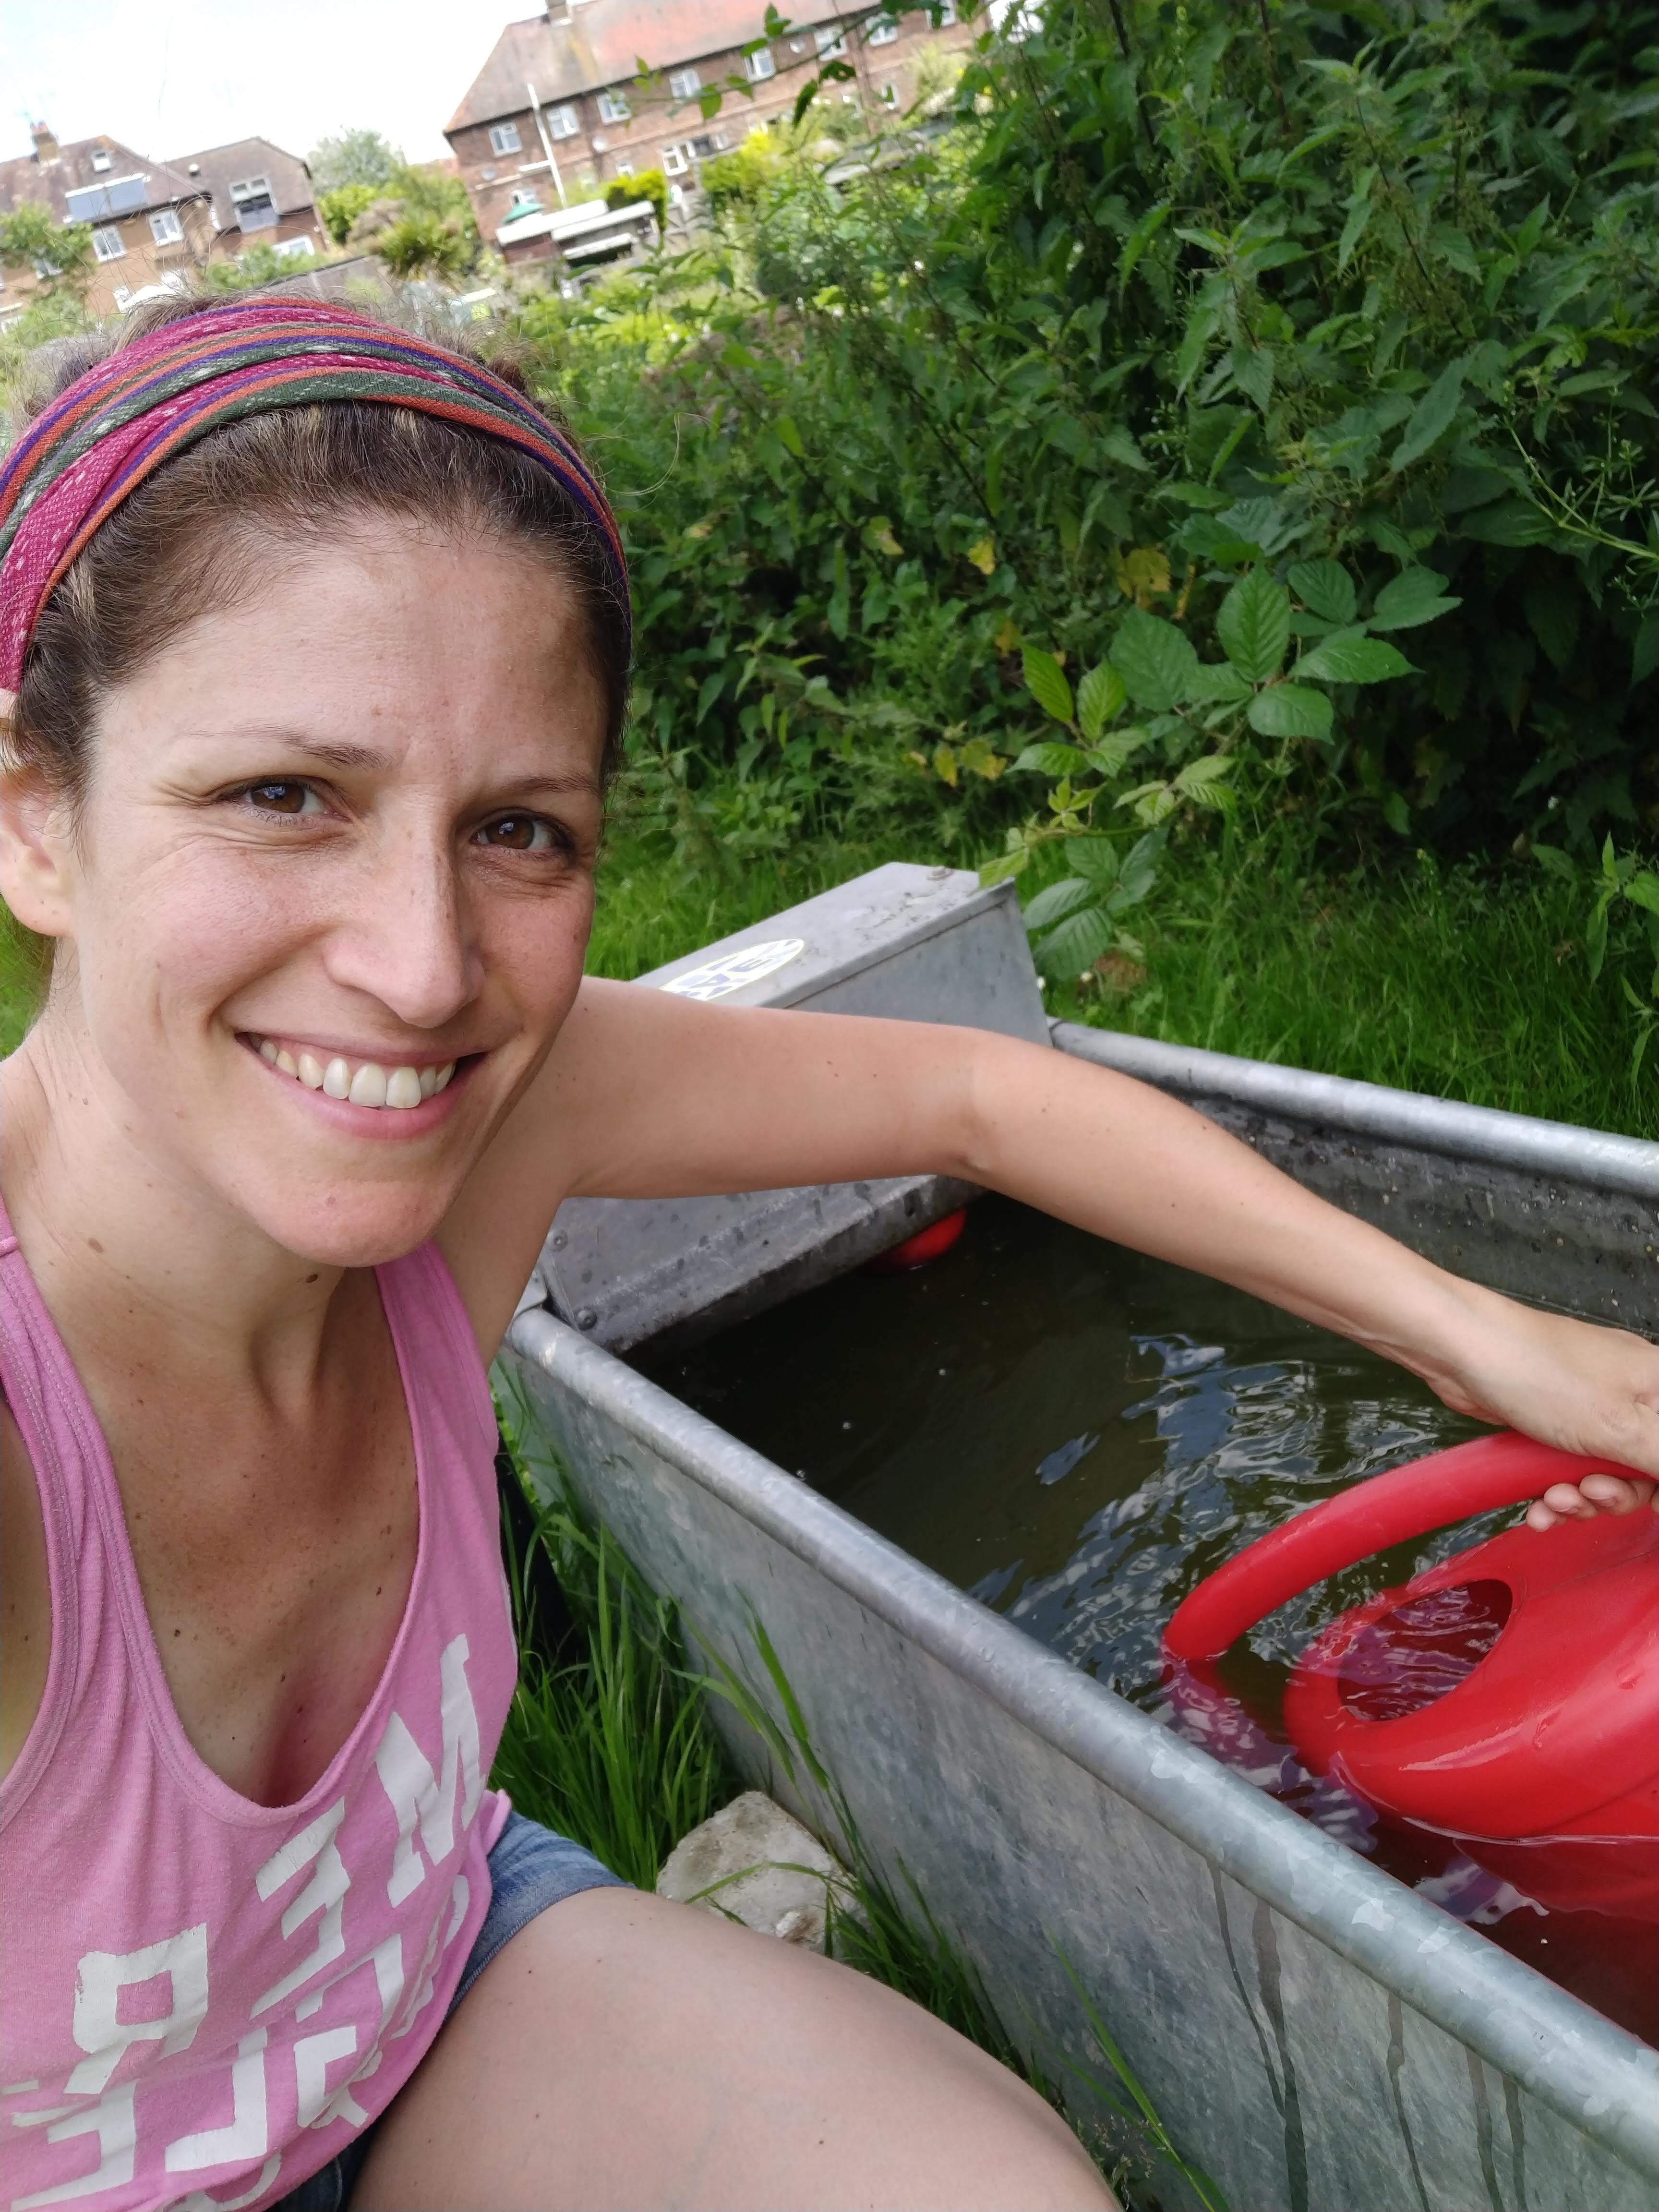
[(560, 1240), (585, 1317)]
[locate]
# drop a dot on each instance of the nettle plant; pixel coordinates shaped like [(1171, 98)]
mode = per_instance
[(1226, 707)]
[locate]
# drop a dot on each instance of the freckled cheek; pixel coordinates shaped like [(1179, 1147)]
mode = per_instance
[(537, 955)]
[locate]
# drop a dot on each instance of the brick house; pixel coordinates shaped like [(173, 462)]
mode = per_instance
[(261, 196), (152, 226), (558, 106)]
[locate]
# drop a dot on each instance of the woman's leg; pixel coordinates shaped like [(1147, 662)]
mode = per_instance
[(623, 2051)]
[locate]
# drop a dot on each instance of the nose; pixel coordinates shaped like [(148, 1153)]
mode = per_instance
[(405, 936)]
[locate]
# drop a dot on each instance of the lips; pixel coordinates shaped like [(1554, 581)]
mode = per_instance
[(362, 1082)]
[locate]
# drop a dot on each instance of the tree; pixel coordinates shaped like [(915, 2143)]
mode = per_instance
[(60, 255), (423, 245), (353, 157), (341, 208)]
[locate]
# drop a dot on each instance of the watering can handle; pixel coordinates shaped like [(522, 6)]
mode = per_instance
[(1390, 1509)]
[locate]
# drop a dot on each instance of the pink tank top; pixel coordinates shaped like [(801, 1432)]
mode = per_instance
[(205, 1999)]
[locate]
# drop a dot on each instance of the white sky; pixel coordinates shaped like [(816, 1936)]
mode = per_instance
[(166, 77)]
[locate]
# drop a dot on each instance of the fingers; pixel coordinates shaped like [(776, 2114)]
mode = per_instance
[(1583, 1500)]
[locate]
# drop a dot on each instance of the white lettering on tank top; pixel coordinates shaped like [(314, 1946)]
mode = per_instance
[(247, 2134), (325, 1892), (100, 1979), (111, 2119), (418, 1795)]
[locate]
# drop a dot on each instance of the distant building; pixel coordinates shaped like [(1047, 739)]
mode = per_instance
[(557, 104), (261, 196), (152, 226)]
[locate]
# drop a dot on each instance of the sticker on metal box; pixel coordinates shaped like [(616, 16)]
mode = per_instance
[(717, 979)]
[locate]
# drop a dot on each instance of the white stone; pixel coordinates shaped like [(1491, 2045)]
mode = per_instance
[(784, 1872)]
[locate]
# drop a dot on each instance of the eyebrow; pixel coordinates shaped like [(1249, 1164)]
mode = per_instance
[(366, 760)]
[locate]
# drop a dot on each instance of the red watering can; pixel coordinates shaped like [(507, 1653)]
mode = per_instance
[(1509, 1700)]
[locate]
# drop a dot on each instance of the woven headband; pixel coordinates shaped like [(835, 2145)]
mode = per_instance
[(146, 402)]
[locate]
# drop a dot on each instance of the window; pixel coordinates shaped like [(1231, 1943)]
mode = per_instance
[(685, 84), (624, 168), (947, 14), (890, 95), (882, 32), (562, 122), (107, 244), (256, 210), (674, 163), (165, 226), (613, 108), (504, 138), (292, 249), (100, 163), (525, 201), (830, 41), (759, 65)]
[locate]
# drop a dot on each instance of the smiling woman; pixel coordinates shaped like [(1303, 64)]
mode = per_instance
[(317, 639)]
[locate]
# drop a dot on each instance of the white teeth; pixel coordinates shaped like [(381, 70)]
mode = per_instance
[(404, 1087), (369, 1084)]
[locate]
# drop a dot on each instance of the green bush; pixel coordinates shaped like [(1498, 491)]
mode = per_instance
[(649, 185), (1369, 287)]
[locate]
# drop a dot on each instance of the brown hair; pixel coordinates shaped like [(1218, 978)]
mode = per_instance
[(194, 538)]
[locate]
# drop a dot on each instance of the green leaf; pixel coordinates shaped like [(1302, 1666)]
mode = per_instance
[(1412, 597), (784, 427), (1355, 660), (1397, 814), (1155, 660), (1430, 418), (1643, 890), (1596, 937), (1554, 862), (1003, 865), (1289, 710), (1253, 626), (1553, 610), (1217, 684), (1514, 521), (1140, 870), (1112, 754), (1058, 899), (1099, 696), (1352, 231), (1327, 588), (1097, 858), (1205, 781), (1253, 372), (1045, 679), (1049, 758), (1074, 947)]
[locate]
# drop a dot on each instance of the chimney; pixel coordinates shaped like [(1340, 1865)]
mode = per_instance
[(47, 148)]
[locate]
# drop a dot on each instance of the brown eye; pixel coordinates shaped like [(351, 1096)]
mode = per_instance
[(283, 798), (518, 832)]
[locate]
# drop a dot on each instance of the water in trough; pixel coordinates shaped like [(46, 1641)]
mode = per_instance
[(1077, 1436)]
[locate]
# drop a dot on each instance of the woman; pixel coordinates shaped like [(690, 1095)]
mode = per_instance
[(317, 640)]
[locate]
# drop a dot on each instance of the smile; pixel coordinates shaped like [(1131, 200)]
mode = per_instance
[(359, 1082)]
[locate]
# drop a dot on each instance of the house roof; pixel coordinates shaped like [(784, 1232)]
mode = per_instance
[(603, 43), (217, 169), (76, 192)]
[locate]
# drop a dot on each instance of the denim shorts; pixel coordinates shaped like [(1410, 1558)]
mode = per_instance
[(530, 1869)]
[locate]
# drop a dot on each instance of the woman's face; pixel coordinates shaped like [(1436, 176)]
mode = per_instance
[(337, 841)]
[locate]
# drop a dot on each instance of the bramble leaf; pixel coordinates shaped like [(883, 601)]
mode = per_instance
[(1045, 679), (1355, 660), (1048, 757), (1253, 626), (1058, 899), (1100, 696), (1411, 598), (1326, 588), (1155, 660), (1289, 710), (1074, 947)]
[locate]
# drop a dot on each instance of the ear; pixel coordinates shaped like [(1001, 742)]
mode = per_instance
[(36, 854)]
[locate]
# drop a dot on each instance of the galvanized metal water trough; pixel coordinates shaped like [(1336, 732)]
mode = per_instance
[(1317, 2036)]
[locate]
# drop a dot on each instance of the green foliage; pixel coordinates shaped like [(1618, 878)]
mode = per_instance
[(58, 253), (259, 264), (353, 158), (420, 244), (340, 207), (647, 185), (1345, 311), (741, 178)]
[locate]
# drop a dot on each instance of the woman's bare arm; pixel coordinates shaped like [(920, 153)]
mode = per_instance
[(645, 1094)]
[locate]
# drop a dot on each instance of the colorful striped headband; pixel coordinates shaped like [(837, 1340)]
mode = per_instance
[(146, 402)]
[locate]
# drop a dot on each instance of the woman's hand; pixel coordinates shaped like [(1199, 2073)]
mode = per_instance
[(1587, 1389)]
